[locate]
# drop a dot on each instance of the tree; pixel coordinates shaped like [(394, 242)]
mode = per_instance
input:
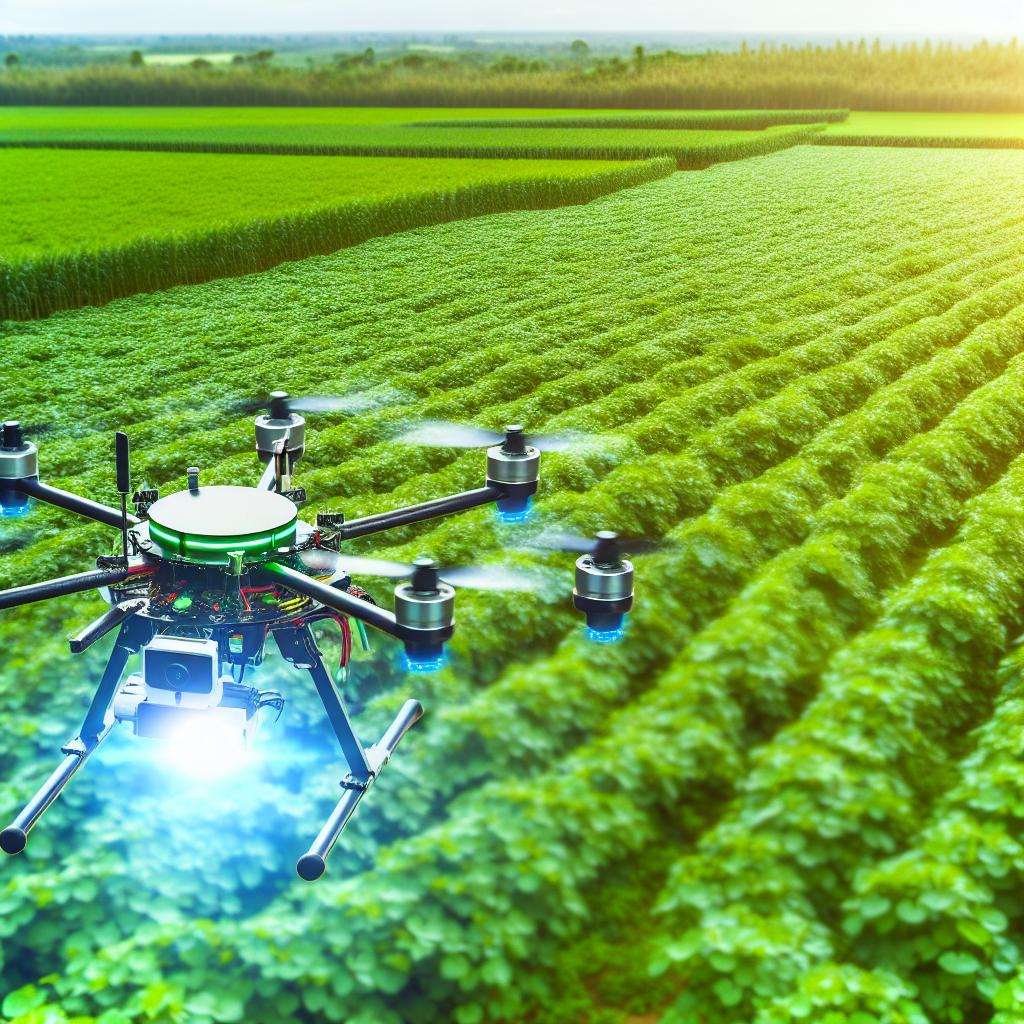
[(579, 48), (135, 59), (638, 55), (200, 64), (12, 60)]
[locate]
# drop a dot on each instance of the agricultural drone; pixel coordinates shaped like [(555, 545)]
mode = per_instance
[(207, 574)]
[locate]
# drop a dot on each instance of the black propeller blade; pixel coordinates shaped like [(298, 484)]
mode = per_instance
[(473, 577)]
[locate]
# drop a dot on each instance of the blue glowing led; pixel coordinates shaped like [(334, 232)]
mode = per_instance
[(14, 506), (605, 636), (424, 664), (514, 510)]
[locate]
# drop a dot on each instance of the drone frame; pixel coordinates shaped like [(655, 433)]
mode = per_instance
[(295, 642)]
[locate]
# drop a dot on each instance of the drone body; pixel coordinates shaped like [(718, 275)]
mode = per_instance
[(209, 575)]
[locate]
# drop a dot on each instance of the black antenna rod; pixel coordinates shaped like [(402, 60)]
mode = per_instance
[(124, 485)]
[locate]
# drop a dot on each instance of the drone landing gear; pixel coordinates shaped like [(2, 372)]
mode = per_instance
[(298, 646), (135, 632)]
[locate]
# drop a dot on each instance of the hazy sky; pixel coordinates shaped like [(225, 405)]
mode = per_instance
[(840, 17)]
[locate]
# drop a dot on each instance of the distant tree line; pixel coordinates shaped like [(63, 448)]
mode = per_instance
[(861, 76)]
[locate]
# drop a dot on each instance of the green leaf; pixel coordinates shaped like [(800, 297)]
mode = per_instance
[(958, 963), (728, 993), (21, 1000)]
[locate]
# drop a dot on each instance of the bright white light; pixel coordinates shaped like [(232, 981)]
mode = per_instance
[(211, 748)]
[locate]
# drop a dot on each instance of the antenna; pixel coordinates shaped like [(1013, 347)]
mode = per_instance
[(124, 485)]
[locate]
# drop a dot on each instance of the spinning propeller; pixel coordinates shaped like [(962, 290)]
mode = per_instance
[(442, 434), (473, 577), (606, 547), (281, 404)]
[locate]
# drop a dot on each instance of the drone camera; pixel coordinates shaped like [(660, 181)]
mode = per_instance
[(181, 671)]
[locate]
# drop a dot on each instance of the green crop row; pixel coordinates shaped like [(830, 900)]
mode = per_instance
[(691, 150), (512, 725), (713, 120), (847, 782), (940, 141), (37, 286), (686, 735), (945, 913), (743, 375), (56, 201)]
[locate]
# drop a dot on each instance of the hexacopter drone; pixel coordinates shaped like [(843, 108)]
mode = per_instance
[(207, 574)]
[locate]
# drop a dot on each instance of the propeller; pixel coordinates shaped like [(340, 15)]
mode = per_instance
[(606, 546), (281, 404), (442, 434), (473, 577)]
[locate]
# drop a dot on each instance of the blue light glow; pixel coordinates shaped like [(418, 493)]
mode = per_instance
[(424, 664), (605, 636), (14, 505), (514, 510)]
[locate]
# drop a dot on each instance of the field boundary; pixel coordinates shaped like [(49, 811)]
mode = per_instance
[(35, 287), (720, 120), (686, 158), (923, 141)]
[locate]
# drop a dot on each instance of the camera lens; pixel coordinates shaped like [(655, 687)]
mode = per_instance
[(175, 673)]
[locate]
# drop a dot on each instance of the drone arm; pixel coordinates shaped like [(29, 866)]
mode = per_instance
[(135, 631), (268, 482), (371, 614), (75, 584), (312, 863), (298, 646), (100, 627), (72, 502), (420, 513)]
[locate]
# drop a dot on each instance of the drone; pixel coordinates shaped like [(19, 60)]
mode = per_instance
[(206, 575)]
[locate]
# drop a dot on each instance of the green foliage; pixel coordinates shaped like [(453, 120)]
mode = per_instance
[(57, 202), (749, 120), (691, 149), (38, 285), (806, 371), (982, 76)]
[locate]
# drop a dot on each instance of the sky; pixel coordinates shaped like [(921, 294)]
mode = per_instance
[(934, 18)]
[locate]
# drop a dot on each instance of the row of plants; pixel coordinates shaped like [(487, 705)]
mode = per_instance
[(941, 141), (943, 912), (512, 727), (462, 949), (848, 781), (714, 120), (478, 302), (690, 149), (37, 286)]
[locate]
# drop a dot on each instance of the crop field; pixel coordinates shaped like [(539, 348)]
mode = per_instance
[(88, 226), (26, 123), (690, 148), (970, 131), (791, 793), (88, 200)]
